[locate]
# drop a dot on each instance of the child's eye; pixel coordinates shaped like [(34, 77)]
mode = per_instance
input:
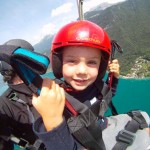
[(70, 61), (92, 62)]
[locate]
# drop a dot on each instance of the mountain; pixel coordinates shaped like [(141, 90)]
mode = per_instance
[(44, 45), (96, 10), (129, 24)]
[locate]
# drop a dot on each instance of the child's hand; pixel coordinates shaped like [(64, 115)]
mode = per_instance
[(50, 104), (114, 68)]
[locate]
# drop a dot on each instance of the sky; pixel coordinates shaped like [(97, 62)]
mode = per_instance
[(31, 20)]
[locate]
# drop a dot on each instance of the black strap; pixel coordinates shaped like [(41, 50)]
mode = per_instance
[(35, 86), (88, 140), (113, 108), (126, 136), (107, 98), (38, 145), (13, 96), (77, 105), (87, 131), (85, 127), (105, 94)]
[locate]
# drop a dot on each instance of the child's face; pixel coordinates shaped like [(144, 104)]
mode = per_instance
[(80, 66)]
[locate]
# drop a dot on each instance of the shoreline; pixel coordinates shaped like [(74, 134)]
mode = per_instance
[(135, 78)]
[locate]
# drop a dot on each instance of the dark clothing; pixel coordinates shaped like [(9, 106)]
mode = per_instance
[(61, 138), (14, 115), (57, 139)]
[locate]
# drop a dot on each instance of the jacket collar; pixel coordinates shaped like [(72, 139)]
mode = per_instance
[(21, 88)]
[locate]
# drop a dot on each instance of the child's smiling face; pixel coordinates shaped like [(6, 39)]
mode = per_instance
[(80, 66)]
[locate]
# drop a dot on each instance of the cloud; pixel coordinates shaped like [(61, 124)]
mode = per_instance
[(87, 5), (47, 29), (65, 8)]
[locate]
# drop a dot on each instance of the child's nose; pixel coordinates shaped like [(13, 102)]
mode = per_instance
[(82, 68)]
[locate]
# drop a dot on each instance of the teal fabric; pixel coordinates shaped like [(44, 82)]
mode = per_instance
[(35, 56), (29, 65)]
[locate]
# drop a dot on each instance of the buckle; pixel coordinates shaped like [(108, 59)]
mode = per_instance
[(137, 116), (126, 137), (38, 144), (23, 143)]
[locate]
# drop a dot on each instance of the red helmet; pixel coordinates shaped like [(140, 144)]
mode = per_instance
[(80, 33)]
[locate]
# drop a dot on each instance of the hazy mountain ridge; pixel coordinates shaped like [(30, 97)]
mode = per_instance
[(128, 23), (96, 10), (44, 45)]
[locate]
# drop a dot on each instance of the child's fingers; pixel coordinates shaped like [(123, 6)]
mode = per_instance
[(114, 67), (47, 82), (115, 61), (46, 85), (57, 88), (62, 92), (34, 100)]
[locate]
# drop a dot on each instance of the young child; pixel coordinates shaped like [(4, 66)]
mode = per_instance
[(80, 54)]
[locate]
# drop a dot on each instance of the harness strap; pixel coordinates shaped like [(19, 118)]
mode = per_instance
[(107, 98), (37, 144), (14, 97), (85, 127), (105, 93), (77, 105), (113, 108), (127, 136), (87, 139), (19, 141), (87, 131), (25, 144)]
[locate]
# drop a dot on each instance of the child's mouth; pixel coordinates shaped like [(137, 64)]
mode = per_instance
[(80, 81)]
